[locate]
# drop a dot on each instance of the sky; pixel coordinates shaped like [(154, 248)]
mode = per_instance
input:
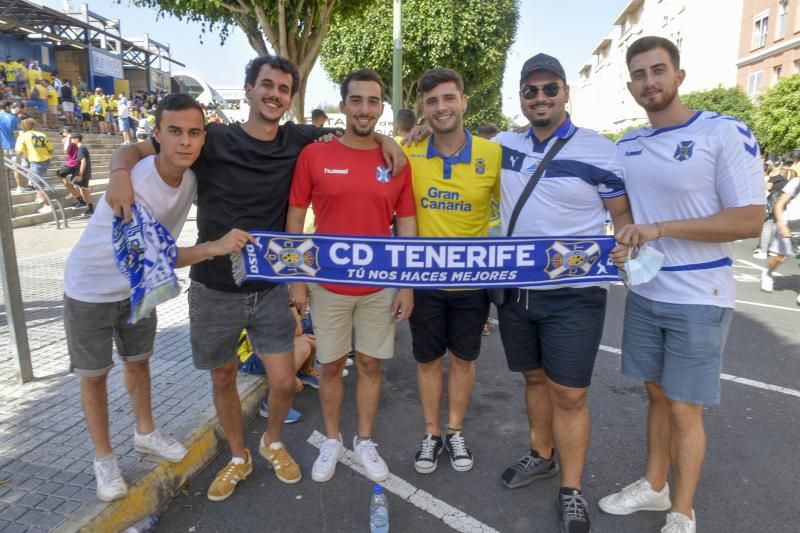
[(568, 30)]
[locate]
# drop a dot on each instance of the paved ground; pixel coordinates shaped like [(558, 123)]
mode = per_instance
[(750, 475), (46, 454)]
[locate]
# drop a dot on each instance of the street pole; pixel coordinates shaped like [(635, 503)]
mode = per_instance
[(397, 60), (15, 311)]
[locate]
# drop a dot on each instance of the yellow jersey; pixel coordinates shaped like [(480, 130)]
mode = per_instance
[(35, 146), (32, 75), (454, 194), (86, 106), (112, 105), (11, 70), (52, 96)]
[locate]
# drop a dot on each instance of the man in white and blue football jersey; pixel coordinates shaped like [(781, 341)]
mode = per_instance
[(551, 335), (695, 184)]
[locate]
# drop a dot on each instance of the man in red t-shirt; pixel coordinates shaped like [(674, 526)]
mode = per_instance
[(353, 193)]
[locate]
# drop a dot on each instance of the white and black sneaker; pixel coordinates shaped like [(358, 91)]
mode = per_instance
[(530, 468), (574, 516), (460, 456), (427, 457)]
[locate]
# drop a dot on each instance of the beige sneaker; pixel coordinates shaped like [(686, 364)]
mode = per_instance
[(230, 476), (279, 459)]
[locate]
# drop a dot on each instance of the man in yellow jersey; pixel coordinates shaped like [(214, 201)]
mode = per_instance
[(111, 114), (52, 103), (37, 149), (454, 178), (85, 106), (11, 67), (99, 107)]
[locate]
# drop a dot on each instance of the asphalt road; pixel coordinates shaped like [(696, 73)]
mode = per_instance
[(750, 476)]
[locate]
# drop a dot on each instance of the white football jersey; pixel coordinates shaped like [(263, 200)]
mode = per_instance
[(694, 170)]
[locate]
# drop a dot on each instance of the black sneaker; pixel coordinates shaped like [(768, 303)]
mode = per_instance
[(460, 456), (574, 517), (79, 203), (529, 469), (427, 457), (89, 212)]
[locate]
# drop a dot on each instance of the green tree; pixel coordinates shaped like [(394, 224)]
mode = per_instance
[(470, 36), (731, 101), (615, 136), (777, 118), (294, 29)]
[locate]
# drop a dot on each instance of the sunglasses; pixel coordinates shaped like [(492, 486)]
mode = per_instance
[(529, 92)]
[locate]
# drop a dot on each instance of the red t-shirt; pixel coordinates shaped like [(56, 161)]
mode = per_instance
[(352, 193)]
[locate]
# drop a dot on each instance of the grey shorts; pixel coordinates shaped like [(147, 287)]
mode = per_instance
[(91, 328), (677, 345), (217, 318)]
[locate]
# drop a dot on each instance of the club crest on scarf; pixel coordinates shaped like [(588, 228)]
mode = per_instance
[(290, 257), (571, 260)]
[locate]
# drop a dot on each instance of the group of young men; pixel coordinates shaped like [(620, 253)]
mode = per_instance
[(688, 185)]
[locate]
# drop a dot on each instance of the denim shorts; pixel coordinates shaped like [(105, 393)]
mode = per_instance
[(91, 328), (677, 345), (40, 167), (217, 318)]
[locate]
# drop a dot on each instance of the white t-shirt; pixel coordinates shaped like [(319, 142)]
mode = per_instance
[(568, 200), (122, 110), (90, 273), (792, 209), (695, 170)]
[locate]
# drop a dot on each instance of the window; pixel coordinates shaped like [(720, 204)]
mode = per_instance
[(776, 71), (783, 18), (755, 83), (760, 27)]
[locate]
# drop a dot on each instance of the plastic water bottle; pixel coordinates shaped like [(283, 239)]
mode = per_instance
[(378, 511), (145, 525)]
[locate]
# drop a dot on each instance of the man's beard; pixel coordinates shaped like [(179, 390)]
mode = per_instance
[(667, 98)]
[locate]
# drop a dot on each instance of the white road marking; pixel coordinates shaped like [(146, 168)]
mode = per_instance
[(795, 309), (729, 377), (457, 520)]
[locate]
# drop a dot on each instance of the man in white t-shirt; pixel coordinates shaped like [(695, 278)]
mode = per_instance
[(124, 119), (695, 184), (787, 217), (97, 302)]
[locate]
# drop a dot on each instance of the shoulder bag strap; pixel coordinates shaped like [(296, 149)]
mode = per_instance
[(526, 192)]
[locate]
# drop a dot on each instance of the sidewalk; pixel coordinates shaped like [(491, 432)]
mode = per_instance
[(46, 476)]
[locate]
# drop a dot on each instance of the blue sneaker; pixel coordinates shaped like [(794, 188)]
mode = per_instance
[(310, 378), (291, 418)]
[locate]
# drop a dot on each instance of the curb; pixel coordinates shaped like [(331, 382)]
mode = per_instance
[(157, 483)]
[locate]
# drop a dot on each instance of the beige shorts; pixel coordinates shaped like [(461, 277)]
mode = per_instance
[(337, 316)]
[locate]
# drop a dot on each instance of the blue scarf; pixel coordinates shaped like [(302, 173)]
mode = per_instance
[(146, 254), (422, 262)]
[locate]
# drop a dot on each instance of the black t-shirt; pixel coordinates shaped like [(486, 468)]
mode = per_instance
[(243, 183), (66, 93), (83, 153)]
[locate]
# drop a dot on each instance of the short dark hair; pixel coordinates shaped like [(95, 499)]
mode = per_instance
[(275, 62), (651, 42), (177, 102), (364, 74), (6, 104), (437, 76), (406, 119), (78, 136), (318, 113), (486, 128)]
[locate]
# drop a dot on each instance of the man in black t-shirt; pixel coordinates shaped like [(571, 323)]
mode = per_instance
[(243, 178)]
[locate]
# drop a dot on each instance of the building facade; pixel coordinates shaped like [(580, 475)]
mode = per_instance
[(705, 31), (769, 45)]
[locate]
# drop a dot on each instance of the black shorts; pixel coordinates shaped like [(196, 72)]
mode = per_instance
[(448, 320), (66, 171), (558, 330)]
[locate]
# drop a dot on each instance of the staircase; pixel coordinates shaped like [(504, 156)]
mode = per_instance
[(100, 147)]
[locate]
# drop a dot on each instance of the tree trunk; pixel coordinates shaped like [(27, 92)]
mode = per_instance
[(298, 102)]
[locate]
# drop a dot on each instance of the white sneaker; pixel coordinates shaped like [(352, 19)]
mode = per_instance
[(45, 210), (329, 454), (759, 255), (767, 282), (638, 496), (161, 444), (19, 190), (110, 484), (374, 467), (679, 523)]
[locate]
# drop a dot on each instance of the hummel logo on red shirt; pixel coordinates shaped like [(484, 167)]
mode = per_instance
[(336, 170)]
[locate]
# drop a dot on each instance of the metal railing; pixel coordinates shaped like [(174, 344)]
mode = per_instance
[(41, 185)]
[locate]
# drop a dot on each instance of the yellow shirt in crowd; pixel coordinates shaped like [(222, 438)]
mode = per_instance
[(35, 146), (52, 96), (86, 106)]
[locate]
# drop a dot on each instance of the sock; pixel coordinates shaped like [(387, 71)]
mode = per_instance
[(361, 439), (238, 460), (276, 446), (567, 491)]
